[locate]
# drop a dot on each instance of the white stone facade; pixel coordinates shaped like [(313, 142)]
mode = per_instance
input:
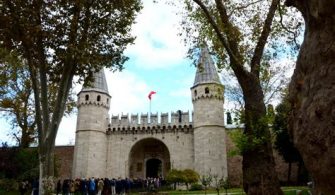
[(103, 146), (135, 147)]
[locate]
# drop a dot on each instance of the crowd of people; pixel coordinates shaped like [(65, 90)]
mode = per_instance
[(99, 186)]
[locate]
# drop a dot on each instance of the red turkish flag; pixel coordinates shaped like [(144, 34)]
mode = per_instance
[(150, 94)]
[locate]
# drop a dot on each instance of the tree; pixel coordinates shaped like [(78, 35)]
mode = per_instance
[(243, 36), (220, 183), (206, 181), (272, 78), (16, 98), (283, 142), (58, 40), (174, 176), (225, 184), (18, 163), (312, 93), (190, 176)]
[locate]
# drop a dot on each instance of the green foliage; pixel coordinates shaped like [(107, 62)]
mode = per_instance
[(224, 183), (27, 161), (187, 176), (190, 176), (19, 163), (270, 114), (246, 20), (16, 97), (206, 180), (7, 185), (240, 140), (93, 32), (196, 187), (283, 142), (174, 176), (58, 40), (245, 142)]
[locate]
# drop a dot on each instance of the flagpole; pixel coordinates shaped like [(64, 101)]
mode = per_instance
[(149, 96), (150, 111)]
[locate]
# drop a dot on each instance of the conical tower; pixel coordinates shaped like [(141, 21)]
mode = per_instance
[(92, 122), (209, 133)]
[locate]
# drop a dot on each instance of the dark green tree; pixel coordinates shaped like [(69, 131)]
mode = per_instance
[(18, 163), (58, 40), (206, 181), (174, 176), (283, 142), (243, 36), (190, 177)]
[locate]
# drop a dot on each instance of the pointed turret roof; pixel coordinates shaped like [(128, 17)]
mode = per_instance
[(98, 83), (206, 70)]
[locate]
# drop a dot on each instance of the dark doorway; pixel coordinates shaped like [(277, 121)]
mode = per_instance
[(154, 167)]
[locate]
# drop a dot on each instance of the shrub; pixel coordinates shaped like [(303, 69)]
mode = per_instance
[(8, 185), (196, 187)]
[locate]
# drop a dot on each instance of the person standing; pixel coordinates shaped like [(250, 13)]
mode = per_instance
[(59, 187), (91, 186), (113, 183), (35, 187), (100, 186)]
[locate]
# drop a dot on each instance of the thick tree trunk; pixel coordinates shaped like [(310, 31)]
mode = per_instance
[(299, 173), (47, 167), (26, 137), (289, 173), (312, 93), (259, 175)]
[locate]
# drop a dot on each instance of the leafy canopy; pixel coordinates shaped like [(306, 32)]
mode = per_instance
[(90, 34)]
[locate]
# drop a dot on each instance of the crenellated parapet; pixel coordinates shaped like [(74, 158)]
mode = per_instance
[(154, 123)]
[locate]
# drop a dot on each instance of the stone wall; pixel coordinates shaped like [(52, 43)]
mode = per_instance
[(179, 143), (235, 166), (64, 159)]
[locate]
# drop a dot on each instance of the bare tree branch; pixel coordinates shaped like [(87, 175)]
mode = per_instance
[(259, 49), (223, 40), (286, 29), (243, 7)]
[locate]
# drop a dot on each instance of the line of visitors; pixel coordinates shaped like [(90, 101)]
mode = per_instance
[(105, 186), (95, 186)]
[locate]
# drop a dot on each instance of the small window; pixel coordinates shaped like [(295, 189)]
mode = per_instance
[(107, 100), (206, 90), (98, 98), (195, 93), (87, 97), (219, 91)]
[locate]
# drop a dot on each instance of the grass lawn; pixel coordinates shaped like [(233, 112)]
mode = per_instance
[(236, 191)]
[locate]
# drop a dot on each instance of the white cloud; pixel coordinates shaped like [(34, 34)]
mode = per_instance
[(129, 92), (129, 95), (67, 130), (6, 131), (157, 44)]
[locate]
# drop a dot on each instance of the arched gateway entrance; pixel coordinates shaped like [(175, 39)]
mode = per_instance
[(149, 158)]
